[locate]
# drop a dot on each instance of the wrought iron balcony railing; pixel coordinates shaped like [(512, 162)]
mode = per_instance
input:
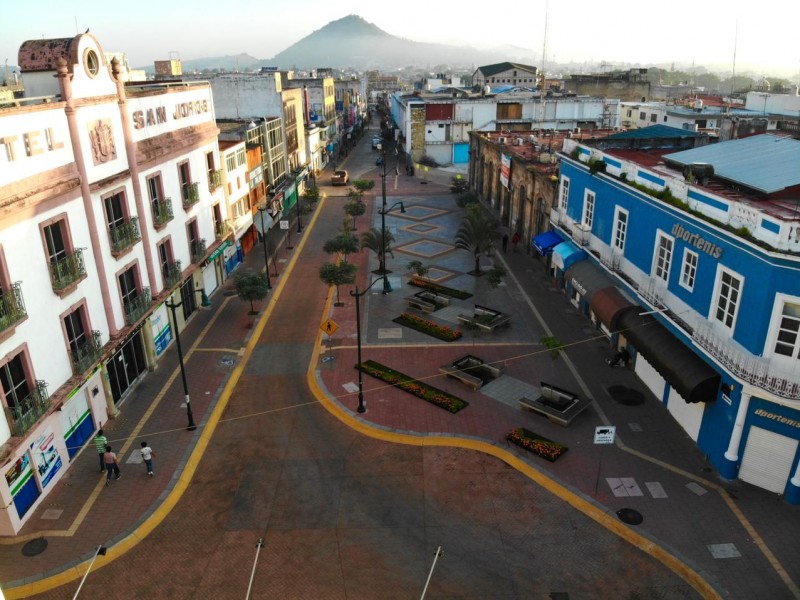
[(124, 235), (66, 271), (214, 179), (137, 307), (88, 353), (198, 250), (12, 306), (191, 195), (173, 274), (162, 212), (25, 415)]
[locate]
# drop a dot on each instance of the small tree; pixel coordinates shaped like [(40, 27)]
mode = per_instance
[(337, 274), (345, 243), (355, 208), (311, 195), (495, 275), (373, 240), (363, 185), (553, 345), (420, 270), (250, 287)]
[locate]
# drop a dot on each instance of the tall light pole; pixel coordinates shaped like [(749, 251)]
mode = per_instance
[(382, 267), (262, 210), (357, 295), (172, 306)]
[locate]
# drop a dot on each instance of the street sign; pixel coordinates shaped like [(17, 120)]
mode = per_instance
[(329, 327), (284, 224), (605, 434)]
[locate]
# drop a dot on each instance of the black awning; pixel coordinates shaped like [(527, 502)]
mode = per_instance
[(684, 370), (587, 278)]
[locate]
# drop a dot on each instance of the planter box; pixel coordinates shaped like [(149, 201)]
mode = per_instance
[(485, 318), (539, 445), (471, 371)]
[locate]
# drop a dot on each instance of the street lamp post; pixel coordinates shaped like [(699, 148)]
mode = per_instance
[(264, 240), (357, 295), (99, 551), (382, 267), (172, 306)]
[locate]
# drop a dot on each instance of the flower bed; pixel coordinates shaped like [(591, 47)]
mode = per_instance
[(441, 332), (438, 288), (547, 449), (428, 393)]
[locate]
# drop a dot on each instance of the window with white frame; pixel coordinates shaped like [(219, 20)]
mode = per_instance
[(588, 209), (787, 342), (728, 297), (662, 257), (689, 269), (563, 197), (230, 162), (620, 229)]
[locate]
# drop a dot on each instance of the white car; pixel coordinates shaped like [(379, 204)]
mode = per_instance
[(376, 141)]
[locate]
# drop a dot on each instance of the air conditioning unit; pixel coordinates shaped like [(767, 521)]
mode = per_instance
[(502, 140), (519, 141)]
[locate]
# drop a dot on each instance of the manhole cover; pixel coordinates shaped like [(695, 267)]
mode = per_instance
[(34, 547), (630, 516)]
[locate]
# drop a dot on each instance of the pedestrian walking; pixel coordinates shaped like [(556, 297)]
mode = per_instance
[(147, 457), (100, 441), (514, 241), (505, 243), (621, 358), (112, 465)]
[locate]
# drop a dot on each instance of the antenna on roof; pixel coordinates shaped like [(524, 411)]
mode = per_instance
[(544, 45), (735, 42)]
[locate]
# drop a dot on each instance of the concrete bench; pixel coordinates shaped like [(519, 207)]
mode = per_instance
[(485, 318), (471, 371), (558, 405), (420, 304)]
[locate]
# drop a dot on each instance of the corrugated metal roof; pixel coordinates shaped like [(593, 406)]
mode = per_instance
[(488, 70), (653, 132), (766, 163)]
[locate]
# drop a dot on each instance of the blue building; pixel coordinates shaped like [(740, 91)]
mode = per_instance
[(688, 254)]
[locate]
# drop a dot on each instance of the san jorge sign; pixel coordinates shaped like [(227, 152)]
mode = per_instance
[(159, 114)]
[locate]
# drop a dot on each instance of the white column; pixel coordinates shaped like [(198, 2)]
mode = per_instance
[(732, 453)]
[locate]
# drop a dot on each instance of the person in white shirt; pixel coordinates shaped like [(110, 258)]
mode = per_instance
[(147, 457)]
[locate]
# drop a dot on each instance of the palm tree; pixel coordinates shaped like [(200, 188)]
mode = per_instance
[(476, 234), (373, 240)]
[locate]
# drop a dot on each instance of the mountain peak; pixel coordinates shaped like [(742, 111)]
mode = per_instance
[(351, 25)]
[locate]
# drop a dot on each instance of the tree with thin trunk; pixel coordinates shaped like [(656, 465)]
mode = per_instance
[(251, 287), (477, 234), (363, 185), (337, 274), (345, 243), (355, 208), (380, 245), (419, 268)]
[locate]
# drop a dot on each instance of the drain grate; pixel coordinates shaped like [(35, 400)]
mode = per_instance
[(630, 516), (34, 547)]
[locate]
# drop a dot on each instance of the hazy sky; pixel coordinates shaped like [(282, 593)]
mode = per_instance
[(703, 31)]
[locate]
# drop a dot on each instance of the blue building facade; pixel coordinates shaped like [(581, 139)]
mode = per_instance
[(692, 261)]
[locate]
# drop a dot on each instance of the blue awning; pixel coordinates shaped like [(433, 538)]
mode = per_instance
[(567, 254), (545, 242)]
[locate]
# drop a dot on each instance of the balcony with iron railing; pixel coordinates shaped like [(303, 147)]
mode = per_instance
[(87, 353), (12, 306), (162, 212), (214, 180), (25, 415), (124, 235), (173, 273), (137, 307), (66, 271), (191, 195), (756, 370), (198, 250), (223, 230)]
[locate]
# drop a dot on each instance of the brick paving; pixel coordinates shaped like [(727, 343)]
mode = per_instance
[(346, 516)]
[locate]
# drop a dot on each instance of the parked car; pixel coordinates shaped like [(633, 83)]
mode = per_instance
[(376, 141), (340, 178)]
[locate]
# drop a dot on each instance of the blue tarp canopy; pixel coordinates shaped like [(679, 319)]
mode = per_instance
[(567, 254), (545, 242)]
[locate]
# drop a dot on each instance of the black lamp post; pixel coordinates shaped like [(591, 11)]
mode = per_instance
[(357, 295), (387, 287), (262, 210), (205, 302)]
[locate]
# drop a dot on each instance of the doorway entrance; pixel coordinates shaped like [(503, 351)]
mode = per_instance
[(126, 366)]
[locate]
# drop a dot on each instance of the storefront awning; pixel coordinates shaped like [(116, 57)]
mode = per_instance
[(677, 363), (545, 242), (587, 278), (567, 254), (607, 304)]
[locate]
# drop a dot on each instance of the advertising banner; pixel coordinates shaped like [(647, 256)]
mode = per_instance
[(45, 456), (505, 170)]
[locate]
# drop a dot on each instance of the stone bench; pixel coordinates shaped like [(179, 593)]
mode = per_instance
[(420, 304), (558, 405), (485, 318), (470, 369)]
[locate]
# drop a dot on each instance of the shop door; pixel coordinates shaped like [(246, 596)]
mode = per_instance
[(767, 460), (126, 366)]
